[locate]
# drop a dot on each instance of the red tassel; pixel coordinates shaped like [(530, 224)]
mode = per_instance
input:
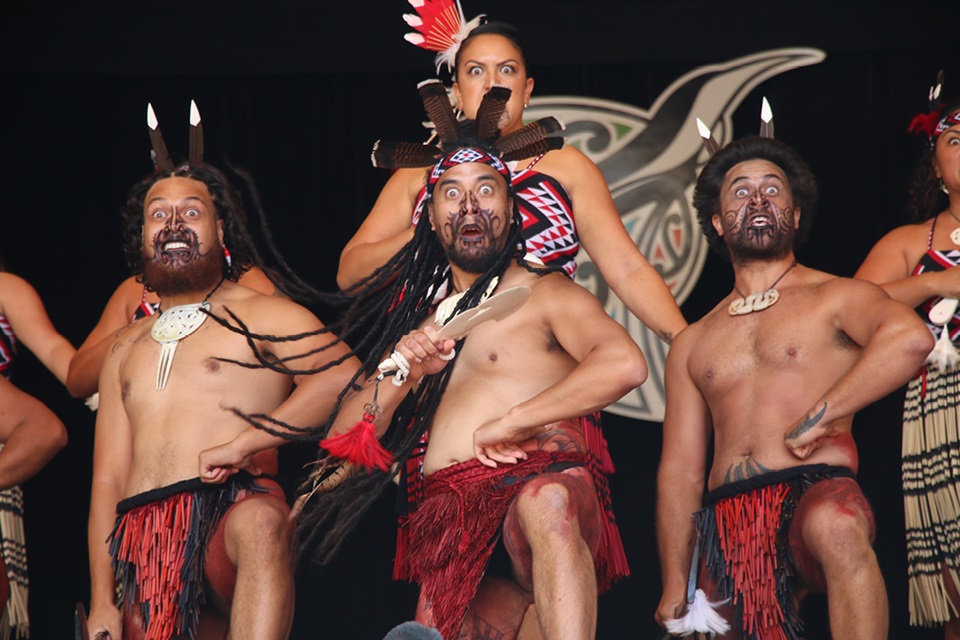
[(924, 123), (360, 446)]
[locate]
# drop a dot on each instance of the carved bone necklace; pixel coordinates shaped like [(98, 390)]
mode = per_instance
[(757, 301), (173, 325)]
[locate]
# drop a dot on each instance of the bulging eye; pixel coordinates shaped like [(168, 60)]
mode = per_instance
[(451, 192), (159, 214), (474, 71), (742, 192), (507, 69), (771, 190), (192, 213), (485, 190)]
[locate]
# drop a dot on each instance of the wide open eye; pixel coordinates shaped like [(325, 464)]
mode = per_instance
[(485, 190), (771, 190)]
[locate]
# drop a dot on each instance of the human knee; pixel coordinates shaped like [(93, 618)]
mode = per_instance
[(839, 533), (548, 508), (259, 526)]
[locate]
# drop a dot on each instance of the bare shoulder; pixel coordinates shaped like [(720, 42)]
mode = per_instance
[(839, 288), (264, 313), (909, 235), (566, 164)]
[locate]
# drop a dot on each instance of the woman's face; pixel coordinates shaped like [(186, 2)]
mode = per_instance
[(946, 159), (488, 60)]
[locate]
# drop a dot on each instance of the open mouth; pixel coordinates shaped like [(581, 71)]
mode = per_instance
[(471, 233), (175, 245), (760, 221)]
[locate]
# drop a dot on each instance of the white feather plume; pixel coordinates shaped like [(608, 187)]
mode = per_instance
[(944, 355), (701, 617)]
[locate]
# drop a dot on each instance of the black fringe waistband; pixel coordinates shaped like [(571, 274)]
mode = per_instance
[(811, 472)]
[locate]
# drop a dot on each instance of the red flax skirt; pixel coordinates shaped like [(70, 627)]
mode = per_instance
[(455, 528), (158, 545), (745, 549)]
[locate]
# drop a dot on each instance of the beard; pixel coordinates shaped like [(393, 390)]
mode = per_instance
[(180, 272), (474, 260), (765, 243)]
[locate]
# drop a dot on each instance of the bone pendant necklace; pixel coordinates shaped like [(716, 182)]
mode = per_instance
[(757, 301), (955, 234), (173, 325)]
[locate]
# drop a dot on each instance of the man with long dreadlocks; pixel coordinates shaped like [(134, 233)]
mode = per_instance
[(188, 558), (774, 374), (488, 431)]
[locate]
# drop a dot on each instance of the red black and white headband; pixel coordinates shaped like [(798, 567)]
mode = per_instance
[(466, 155), (160, 155), (441, 27), (934, 122)]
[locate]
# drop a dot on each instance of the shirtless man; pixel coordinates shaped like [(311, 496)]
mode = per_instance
[(507, 436), (776, 388), (153, 423)]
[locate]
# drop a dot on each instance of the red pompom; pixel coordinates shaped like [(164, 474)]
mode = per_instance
[(924, 123), (360, 446)]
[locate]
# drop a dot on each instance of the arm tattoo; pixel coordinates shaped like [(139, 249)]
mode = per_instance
[(743, 470), (808, 423)]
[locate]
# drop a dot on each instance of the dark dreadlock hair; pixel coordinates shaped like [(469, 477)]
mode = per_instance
[(422, 270), (706, 195), (395, 299)]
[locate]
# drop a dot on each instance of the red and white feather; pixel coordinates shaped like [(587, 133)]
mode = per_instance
[(441, 27)]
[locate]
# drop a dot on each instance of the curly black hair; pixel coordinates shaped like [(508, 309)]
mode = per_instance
[(926, 198), (706, 195)]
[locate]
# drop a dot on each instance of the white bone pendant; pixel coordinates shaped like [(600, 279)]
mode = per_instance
[(943, 311), (172, 326), (754, 302)]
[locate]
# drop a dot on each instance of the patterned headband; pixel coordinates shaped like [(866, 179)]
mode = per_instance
[(934, 122), (466, 155)]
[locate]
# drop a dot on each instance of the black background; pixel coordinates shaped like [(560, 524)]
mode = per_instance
[(296, 92)]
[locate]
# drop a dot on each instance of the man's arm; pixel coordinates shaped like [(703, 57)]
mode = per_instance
[(313, 397), (895, 343), (681, 477), (609, 365), (112, 462), (31, 435)]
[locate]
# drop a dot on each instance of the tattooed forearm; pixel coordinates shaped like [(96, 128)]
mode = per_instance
[(743, 470), (476, 628), (808, 423)]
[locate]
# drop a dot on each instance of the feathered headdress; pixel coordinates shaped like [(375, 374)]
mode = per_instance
[(934, 122), (159, 153), (528, 141), (766, 128), (441, 27)]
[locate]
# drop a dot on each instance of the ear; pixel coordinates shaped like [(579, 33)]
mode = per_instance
[(220, 230), (456, 95), (433, 226), (717, 225), (936, 167), (527, 91), (796, 218)]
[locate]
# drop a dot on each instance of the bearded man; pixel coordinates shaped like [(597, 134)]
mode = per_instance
[(773, 375), (178, 383)]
